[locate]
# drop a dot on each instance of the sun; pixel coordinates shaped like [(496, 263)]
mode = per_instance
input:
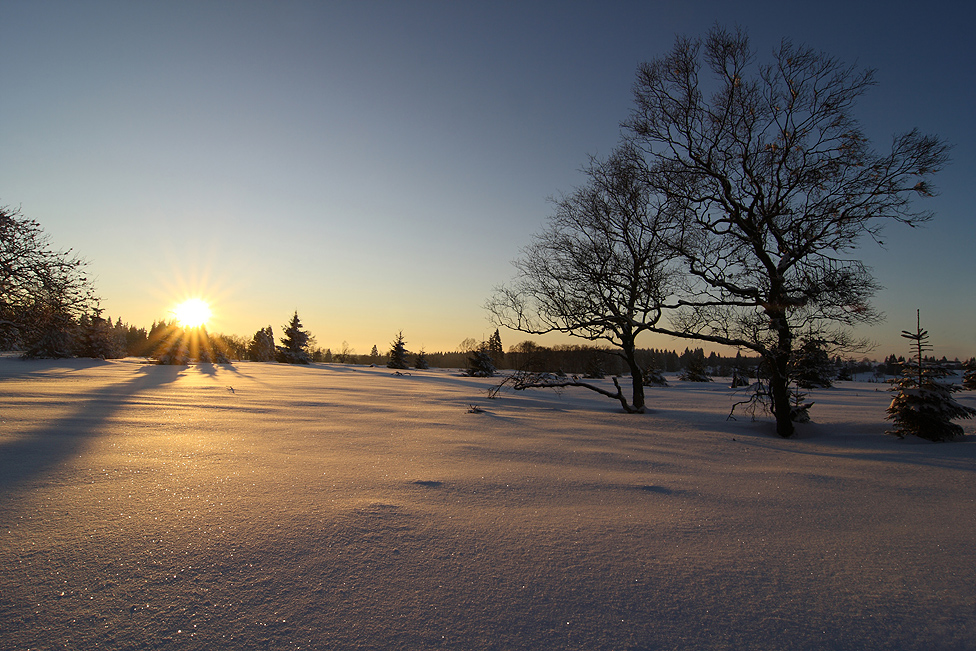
[(192, 313)]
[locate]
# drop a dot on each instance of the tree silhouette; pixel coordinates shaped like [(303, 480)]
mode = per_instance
[(772, 183), (600, 271), (294, 343), (398, 353), (421, 362), (43, 291), (262, 346), (923, 405), (495, 349)]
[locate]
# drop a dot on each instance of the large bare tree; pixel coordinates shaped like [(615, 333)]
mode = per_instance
[(599, 271), (772, 183), (43, 290)]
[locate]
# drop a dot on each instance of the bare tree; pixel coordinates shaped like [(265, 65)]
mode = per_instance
[(598, 271), (772, 183), (43, 291), (345, 353), (468, 345)]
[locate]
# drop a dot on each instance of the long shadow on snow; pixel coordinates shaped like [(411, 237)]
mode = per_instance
[(817, 441), (17, 368), (42, 449)]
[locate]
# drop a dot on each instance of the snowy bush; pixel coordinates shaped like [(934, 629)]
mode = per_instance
[(653, 377), (176, 353), (695, 372), (480, 364), (739, 379)]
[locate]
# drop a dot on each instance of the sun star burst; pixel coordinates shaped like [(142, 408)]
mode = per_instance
[(192, 313)]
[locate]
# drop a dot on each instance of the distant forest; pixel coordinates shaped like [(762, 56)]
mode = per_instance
[(118, 339)]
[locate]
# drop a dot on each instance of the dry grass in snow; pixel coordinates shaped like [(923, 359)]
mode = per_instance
[(263, 506)]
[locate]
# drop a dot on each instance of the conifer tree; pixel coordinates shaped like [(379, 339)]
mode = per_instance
[(262, 346), (695, 371), (421, 361), (398, 353), (653, 377), (294, 343), (203, 355), (495, 346), (844, 372), (593, 366), (219, 350), (83, 342), (136, 341), (174, 348), (811, 367), (480, 364), (97, 338), (924, 405), (969, 377)]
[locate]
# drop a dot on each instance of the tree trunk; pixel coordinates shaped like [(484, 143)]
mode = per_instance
[(779, 378), (636, 374)]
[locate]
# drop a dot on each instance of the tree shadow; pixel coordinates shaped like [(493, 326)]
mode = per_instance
[(860, 443), (206, 368), (42, 449), (234, 370), (17, 368)]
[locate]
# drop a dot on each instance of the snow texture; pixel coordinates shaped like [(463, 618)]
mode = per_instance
[(267, 506)]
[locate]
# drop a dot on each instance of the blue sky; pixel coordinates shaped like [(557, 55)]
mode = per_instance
[(377, 165)]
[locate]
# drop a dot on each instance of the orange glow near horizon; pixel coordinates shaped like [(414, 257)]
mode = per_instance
[(192, 313)]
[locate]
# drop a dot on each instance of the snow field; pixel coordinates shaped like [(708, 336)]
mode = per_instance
[(343, 507)]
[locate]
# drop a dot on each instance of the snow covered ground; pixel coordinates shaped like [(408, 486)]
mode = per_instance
[(264, 506)]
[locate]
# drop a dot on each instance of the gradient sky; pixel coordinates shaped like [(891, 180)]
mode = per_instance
[(377, 165)]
